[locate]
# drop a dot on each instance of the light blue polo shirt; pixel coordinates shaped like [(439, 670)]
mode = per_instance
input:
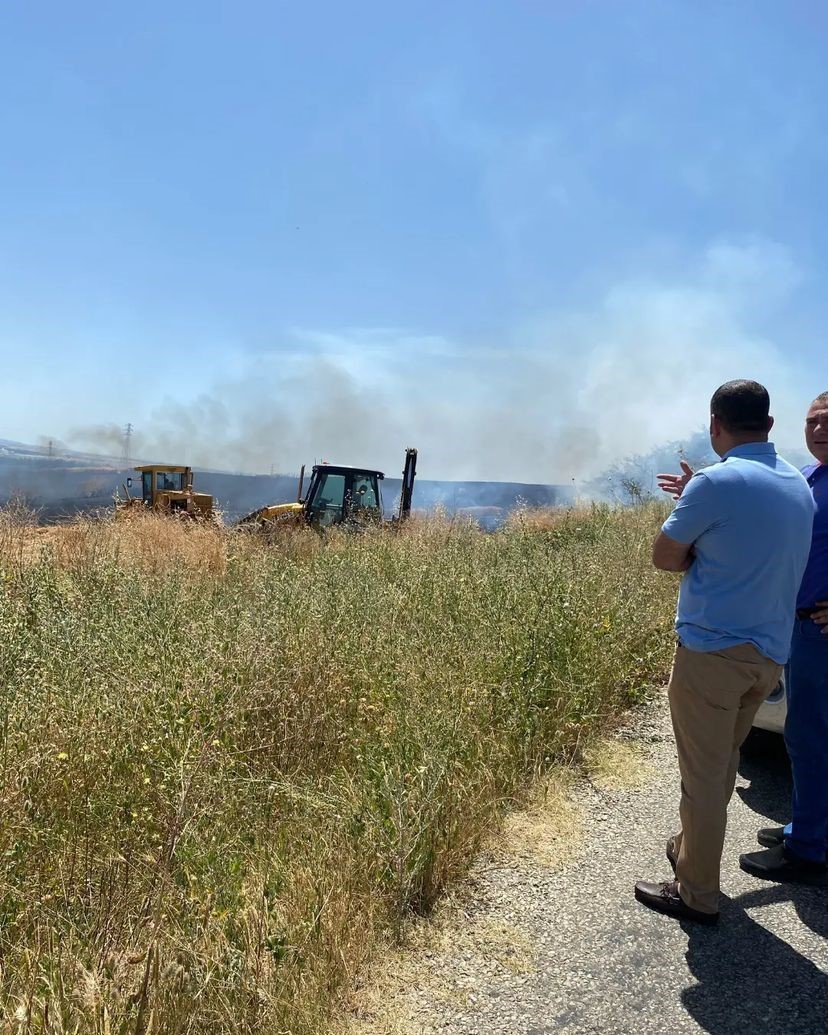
[(749, 519)]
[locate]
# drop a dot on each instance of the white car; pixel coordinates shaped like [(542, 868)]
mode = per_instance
[(771, 715)]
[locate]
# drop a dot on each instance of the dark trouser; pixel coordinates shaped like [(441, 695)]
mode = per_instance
[(806, 737)]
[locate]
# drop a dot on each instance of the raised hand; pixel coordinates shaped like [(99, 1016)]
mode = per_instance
[(673, 484)]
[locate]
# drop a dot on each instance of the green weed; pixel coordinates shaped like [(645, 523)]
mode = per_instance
[(228, 765)]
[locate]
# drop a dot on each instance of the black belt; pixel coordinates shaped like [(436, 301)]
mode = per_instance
[(804, 613)]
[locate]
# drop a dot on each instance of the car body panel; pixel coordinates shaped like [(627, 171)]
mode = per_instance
[(771, 715)]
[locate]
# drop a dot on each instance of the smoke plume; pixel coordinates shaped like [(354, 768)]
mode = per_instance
[(561, 399)]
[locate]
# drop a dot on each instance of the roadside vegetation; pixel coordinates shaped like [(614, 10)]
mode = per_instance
[(231, 765)]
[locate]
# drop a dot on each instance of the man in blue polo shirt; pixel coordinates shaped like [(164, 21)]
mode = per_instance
[(741, 532), (798, 851)]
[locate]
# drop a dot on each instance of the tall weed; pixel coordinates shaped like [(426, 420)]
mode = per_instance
[(228, 763)]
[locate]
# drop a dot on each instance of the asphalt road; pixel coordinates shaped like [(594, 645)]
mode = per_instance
[(601, 963)]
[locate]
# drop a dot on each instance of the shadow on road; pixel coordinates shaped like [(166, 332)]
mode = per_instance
[(749, 979), (809, 904), (765, 764)]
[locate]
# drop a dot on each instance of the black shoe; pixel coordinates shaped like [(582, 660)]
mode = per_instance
[(771, 837), (665, 898), (782, 865), (672, 856)]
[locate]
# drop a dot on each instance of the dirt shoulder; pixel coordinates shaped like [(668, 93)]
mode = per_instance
[(545, 935)]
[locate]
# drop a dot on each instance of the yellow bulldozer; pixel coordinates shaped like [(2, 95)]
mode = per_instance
[(167, 489), (338, 495)]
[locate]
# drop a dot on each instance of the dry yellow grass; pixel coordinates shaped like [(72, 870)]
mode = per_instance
[(232, 765), (540, 519), (616, 765), (406, 982), (547, 834)]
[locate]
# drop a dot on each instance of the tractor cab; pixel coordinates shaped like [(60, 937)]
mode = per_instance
[(337, 495), (343, 495), (168, 489)]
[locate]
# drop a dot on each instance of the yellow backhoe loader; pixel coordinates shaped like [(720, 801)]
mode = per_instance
[(167, 489), (338, 495)]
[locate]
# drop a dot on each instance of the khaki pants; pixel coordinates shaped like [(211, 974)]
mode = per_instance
[(713, 701)]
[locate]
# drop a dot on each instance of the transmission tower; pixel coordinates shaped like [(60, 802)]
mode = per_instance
[(128, 443)]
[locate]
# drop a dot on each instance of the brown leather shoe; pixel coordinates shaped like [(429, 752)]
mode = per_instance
[(665, 898)]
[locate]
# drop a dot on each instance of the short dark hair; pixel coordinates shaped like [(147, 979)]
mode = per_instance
[(741, 406), (821, 398)]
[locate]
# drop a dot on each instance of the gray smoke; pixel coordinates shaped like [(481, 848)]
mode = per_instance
[(559, 400)]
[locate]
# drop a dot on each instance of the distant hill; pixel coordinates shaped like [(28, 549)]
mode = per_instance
[(59, 486)]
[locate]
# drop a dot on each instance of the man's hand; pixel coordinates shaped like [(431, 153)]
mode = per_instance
[(673, 484), (821, 617)]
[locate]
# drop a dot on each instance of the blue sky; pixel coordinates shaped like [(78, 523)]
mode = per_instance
[(527, 237)]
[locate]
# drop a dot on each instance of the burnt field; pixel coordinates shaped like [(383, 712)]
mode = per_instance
[(58, 489)]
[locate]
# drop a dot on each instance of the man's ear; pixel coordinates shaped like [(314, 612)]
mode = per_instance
[(770, 423)]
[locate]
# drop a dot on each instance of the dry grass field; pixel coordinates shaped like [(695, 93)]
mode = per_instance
[(230, 766)]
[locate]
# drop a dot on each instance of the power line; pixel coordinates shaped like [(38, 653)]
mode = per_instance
[(128, 443)]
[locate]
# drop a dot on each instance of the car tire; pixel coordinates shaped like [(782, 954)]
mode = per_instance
[(761, 743)]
